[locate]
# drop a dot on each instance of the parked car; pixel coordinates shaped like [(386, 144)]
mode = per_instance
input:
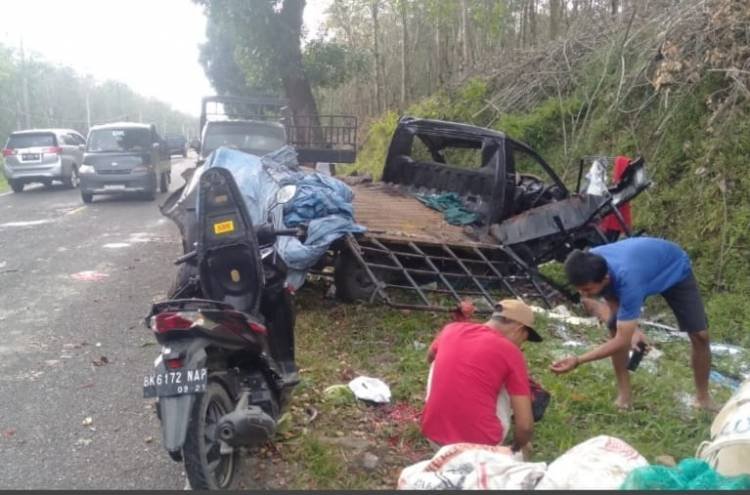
[(124, 157), (43, 155), (177, 144)]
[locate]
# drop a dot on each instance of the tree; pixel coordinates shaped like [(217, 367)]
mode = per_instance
[(379, 71), (217, 56), (402, 7), (554, 18), (267, 36), (465, 54)]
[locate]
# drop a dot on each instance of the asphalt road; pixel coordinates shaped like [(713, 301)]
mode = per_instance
[(75, 283)]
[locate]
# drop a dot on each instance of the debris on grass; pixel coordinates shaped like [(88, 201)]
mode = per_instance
[(370, 389), (403, 412), (370, 461), (338, 394), (731, 383), (562, 314), (726, 350), (311, 414)]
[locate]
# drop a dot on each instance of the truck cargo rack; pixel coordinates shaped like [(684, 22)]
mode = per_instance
[(436, 276), (317, 138), (323, 138)]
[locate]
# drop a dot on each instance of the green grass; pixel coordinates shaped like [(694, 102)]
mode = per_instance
[(336, 342)]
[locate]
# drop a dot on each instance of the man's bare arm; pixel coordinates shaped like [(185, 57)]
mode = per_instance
[(431, 355), (523, 421), (621, 339)]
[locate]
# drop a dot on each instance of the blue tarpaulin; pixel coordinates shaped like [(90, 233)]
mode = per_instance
[(322, 202)]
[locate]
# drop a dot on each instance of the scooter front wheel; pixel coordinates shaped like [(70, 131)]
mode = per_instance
[(206, 467)]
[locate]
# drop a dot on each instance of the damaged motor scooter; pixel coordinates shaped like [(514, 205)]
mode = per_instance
[(226, 366)]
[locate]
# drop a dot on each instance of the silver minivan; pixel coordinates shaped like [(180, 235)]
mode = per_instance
[(43, 155)]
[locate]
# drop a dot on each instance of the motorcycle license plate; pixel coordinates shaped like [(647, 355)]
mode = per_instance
[(175, 382)]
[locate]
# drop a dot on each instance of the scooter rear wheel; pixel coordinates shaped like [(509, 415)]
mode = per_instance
[(206, 467)]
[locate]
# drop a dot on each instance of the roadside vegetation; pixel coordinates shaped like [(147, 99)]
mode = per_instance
[(676, 95), (337, 342)]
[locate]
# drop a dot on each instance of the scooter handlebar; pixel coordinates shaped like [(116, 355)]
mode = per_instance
[(289, 232), (186, 257)]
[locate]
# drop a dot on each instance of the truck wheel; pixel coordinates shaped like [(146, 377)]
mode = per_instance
[(16, 186), (352, 281)]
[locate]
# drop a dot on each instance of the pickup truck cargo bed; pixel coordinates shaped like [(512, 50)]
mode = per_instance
[(391, 213)]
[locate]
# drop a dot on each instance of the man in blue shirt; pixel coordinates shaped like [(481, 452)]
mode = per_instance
[(624, 273)]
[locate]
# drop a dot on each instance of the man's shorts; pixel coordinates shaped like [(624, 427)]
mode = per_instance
[(684, 298)]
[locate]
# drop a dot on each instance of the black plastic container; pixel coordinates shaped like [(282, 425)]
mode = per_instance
[(636, 356)]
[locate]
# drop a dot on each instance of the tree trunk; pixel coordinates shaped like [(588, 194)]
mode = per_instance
[(404, 47), (554, 19), (438, 65), (465, 62), (614, 5), (524, 28), (296, 86), (532, 21), (379, 79)]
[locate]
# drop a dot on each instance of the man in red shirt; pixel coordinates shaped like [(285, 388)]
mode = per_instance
[(473, 365)]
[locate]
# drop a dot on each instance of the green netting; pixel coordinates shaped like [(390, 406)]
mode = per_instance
[(689, 474)]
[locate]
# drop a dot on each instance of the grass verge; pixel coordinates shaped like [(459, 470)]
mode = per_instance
[(337, 342)]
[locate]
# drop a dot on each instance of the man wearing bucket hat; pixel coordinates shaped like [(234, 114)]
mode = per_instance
[(478, 377)]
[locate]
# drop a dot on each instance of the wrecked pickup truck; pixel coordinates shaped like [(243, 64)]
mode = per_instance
[(523, 216), (513, 213)]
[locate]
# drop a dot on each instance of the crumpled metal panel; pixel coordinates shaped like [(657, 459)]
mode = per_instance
[(574, 213)]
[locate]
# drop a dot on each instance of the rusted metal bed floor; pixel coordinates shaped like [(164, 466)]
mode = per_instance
[(390, 213)]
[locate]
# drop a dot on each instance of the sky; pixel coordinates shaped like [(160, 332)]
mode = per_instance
[(150, 45)]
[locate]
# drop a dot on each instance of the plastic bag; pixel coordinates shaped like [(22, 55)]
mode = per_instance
[(468, 466), (689, 474), (597, 179), (600, 463), (370, 389)]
